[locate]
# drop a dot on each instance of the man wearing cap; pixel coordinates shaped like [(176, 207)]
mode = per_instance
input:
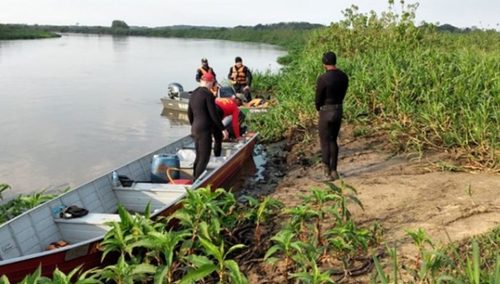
[(331, 88), (204, 68), (205, 122), (241, 78)]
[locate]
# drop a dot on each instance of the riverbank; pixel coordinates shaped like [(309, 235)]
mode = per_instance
[(11, 31), (399, 193)]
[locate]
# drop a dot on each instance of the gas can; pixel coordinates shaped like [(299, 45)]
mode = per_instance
[(159, 166)]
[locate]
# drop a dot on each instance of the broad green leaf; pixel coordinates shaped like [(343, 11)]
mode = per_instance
[(198, 260), (235, 247), (144, 268), (211, 248), (198, 274), (161, 274), (272, 250), (236, 276)]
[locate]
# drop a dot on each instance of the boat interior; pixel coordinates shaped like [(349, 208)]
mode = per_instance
[(32, 232)]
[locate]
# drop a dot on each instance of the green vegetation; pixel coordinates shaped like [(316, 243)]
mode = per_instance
[(216, 237), (21, 203), (473, 261), (8, 31), (425, 89)]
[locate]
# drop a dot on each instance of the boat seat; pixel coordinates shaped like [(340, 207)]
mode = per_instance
[(90, 218), (84, 228)]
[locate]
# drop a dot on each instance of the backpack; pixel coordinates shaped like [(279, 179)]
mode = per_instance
[(73, 211)]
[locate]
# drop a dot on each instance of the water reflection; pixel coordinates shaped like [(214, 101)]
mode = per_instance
[(120, 43), (75, 107), (175, 117)]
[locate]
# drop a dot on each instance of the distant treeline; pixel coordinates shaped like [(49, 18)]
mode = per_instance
[(289, 34), (284, 34), (9, 31)]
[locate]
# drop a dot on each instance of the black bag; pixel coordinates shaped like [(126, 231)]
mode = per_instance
[(73, 211), (125, 181)]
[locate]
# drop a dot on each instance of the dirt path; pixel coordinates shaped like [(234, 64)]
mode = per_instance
[(403, 194), (397, 192)]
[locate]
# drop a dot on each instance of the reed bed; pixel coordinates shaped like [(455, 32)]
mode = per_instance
[(425, 89)]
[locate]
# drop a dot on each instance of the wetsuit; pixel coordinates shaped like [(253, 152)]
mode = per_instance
[(205, 122), (331, 88), (229, 108)]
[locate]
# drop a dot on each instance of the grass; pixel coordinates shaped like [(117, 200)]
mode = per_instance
[(423, 88), (476, 260)]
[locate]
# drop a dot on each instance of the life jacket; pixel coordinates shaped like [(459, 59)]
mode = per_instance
[(203, 71), (238, 75), (215, 87), (257, 103)]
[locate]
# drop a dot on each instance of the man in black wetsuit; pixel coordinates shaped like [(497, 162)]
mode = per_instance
[(331, 88), (205, 122)]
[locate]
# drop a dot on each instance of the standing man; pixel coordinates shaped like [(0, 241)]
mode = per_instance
[(205, 122), (331, 88), (204, 68), (241, 78)]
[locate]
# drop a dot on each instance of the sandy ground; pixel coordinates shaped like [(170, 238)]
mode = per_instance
[(398, 192)]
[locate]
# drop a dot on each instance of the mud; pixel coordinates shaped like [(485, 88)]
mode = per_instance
[(399, 192)]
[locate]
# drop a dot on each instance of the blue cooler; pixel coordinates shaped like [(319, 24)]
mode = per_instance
[(160, 165)]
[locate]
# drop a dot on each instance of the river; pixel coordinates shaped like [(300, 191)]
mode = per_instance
[(73, 108)]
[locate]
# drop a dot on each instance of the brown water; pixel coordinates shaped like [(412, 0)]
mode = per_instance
[(75, 107)]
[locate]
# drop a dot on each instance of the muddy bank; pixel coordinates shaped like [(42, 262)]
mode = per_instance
[(399, 192)]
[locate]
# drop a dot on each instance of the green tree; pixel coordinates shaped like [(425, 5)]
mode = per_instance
[(118, 24)]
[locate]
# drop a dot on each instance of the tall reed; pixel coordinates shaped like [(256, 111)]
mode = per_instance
[(426, 89)]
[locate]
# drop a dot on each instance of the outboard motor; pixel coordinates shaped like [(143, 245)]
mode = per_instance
[(175, 90)]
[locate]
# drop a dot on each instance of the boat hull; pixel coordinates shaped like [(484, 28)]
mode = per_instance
[(88, 255)]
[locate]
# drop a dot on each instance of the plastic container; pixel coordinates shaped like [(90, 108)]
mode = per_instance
[(159, 167), (116, 180)]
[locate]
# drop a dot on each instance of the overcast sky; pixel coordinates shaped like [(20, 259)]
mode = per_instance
[(229, 13)]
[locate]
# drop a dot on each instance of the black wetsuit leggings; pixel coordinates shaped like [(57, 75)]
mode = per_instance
[(238, 88), (203, 148), (329, 127)]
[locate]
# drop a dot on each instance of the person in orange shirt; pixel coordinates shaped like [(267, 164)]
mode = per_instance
[(228, 107)]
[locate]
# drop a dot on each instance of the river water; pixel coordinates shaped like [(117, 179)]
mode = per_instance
[(73, 108)]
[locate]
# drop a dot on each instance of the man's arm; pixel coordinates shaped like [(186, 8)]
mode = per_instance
[(319, 99), (190, 114), (212, 111), (249, 76), (215, 76), (198, 75)]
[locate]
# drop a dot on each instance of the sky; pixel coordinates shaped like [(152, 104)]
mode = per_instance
[(229, 13)]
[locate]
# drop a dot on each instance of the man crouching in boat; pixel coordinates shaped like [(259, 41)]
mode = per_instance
[(205, 122), (230, 114)]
